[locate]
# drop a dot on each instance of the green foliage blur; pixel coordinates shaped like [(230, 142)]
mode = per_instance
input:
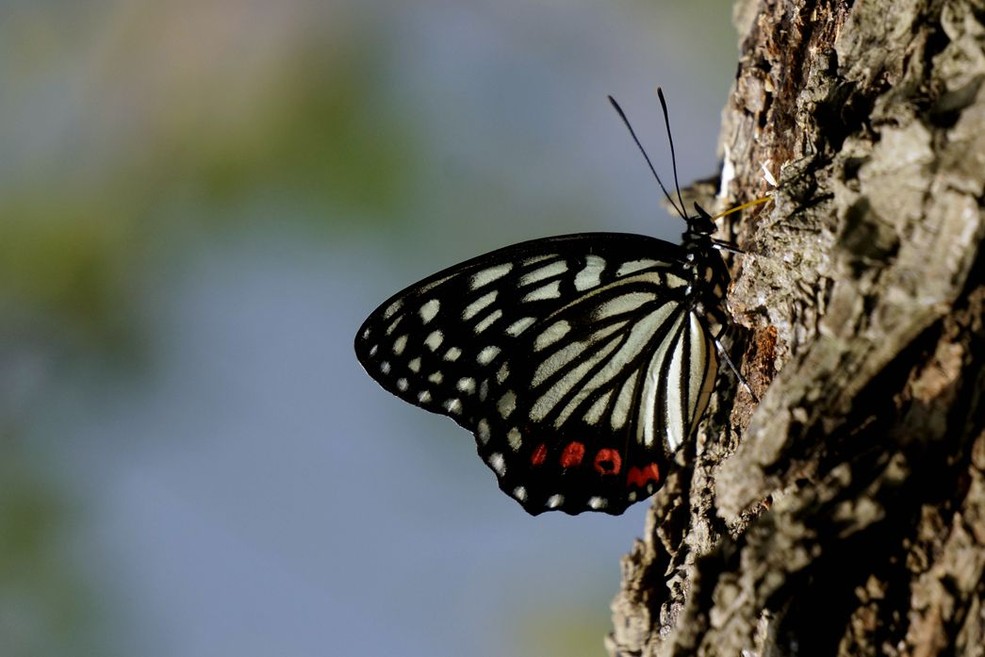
[(130, 134), (128, 131)]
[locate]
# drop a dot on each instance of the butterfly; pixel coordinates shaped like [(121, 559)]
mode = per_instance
[(580, 363)]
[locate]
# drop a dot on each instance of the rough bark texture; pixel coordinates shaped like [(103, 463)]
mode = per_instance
[(844, 514)]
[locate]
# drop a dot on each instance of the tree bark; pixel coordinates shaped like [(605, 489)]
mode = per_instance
[(844, 514)]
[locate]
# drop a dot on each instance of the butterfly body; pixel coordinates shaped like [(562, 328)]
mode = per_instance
[(580, 363)]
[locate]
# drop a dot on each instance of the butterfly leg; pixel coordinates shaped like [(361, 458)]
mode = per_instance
[(738, 375)]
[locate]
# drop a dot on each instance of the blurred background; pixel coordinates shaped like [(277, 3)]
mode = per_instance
[(200, 200)]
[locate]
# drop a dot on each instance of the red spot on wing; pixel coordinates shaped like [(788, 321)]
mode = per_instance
[(539, 455), (608, 462), (640, 476), (572, 455)]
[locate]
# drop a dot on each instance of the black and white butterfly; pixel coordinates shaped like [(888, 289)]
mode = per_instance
[(580, 363)]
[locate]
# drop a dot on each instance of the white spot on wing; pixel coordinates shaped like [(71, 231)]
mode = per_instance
[(436, 378), (624, 303), (402, 384), (506, 404), (434, 340), (466, 385), (414, 365), (598, 502), (673, 282), (452, 354), (514, 438), (504, 371), (551, 334), (385, 367), (392, 309), (487, 276), (624, 402), (476, 306), (497, 463), (591, 274), (554, 501), (424, 396), (489, 320), (550, 291), (487, 355), (597, 409), (482, 431), (399, 344), (549, 271), (429, 310), (633, 266), (520, 493), (519, 326), (453, 406)]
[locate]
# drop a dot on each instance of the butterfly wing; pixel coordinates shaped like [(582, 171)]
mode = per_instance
[(578, 362)]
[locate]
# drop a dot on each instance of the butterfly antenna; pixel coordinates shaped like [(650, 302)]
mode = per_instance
[(670, 138), (670, 199)]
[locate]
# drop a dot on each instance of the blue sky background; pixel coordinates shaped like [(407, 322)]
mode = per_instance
[(199, 203)]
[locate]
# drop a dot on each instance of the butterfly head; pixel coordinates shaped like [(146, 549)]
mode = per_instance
[(699, 224)]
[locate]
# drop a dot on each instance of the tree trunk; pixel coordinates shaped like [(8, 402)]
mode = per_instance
[(844, 514)]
